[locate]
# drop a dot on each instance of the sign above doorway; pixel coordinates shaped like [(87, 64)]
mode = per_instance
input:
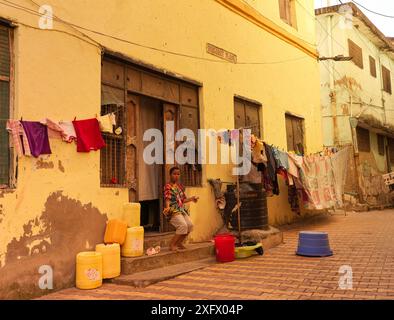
[(221, 53)]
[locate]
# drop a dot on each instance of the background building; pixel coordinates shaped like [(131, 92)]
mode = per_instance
[(357, 98)]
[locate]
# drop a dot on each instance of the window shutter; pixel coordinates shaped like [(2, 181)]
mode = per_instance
[(372, 66), (390, 143), (386, 75), (357, 53), (381, 144), (5, 59), (363, 140)]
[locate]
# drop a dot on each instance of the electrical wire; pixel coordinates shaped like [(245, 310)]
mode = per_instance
[(33, 12), (374, 12), (322, 26)]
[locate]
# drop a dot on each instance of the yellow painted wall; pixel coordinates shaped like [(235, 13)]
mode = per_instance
[(58, 76)]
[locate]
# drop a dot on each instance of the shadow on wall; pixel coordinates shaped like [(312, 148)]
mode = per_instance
[(66, 228)]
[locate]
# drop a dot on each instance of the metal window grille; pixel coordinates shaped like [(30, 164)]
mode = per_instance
[(113, 162)]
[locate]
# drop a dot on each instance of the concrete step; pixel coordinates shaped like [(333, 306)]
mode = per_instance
[(166, 257), (153, 239), (146, 278)]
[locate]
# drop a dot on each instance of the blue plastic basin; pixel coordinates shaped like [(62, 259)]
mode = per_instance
[(313, 244)]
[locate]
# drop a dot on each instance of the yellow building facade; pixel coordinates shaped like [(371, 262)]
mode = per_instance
[(253, 51)]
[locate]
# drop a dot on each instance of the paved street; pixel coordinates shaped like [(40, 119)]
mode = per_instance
[(365, 241)]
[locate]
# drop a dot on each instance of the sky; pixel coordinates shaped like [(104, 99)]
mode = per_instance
[(386, 25)]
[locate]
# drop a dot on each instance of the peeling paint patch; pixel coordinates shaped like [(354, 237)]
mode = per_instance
[(64, 228), (60, 166), (345, 109), (348, 82), (5, 191), (41, 164)]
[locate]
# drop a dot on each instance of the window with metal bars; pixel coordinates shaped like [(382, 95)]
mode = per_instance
[(5, 82), (112, 157)]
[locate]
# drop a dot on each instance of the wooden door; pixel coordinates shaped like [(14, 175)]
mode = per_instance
[(170, 113), (132, 149)]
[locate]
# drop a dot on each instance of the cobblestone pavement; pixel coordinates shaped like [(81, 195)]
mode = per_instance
[(364, 241)]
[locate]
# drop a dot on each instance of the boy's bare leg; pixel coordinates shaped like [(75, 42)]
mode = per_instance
[(174, 241), (180, 241)]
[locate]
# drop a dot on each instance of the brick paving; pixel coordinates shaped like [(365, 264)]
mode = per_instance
[(364, 241)]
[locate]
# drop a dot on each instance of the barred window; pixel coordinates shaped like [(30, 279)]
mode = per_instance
[(113, 155)]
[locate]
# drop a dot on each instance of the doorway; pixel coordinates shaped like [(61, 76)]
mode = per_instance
[(149, 192)]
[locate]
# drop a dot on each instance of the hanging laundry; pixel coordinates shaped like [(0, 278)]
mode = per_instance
[(55, 131), (19, 138), (317, 180), (339, 167), (107, 122), (258, 151), (271, 169), (224, 137), (293, 199), (37, 136), (68, 130), (293, 168), (234, 134), (88, 135), (281, 158)]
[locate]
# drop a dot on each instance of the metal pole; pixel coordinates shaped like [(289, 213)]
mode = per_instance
[(239, 212)]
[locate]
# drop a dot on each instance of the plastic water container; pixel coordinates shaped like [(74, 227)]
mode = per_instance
[(115, 231), (313, 244), (89, 270), (111, 259), (225, 247), (134, 243), (132, 214)]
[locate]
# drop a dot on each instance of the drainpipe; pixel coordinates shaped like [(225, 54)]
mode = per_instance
[(332, 94), (356, 157), (379, 71)]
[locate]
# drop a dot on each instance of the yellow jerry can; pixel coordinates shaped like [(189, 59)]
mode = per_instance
[(115, 231), (132, 214), (89, 270), (111, 259), (134, 243)]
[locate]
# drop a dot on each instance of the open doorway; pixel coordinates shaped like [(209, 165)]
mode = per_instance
[(149, 188)]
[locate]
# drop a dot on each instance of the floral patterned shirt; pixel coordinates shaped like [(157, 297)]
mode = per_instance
[(175, 193)]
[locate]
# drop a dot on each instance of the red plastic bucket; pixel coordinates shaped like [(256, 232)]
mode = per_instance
[(225, 247)]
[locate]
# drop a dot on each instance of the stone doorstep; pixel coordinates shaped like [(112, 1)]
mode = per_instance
[(147, 278), (157, 239), (166, 258)]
